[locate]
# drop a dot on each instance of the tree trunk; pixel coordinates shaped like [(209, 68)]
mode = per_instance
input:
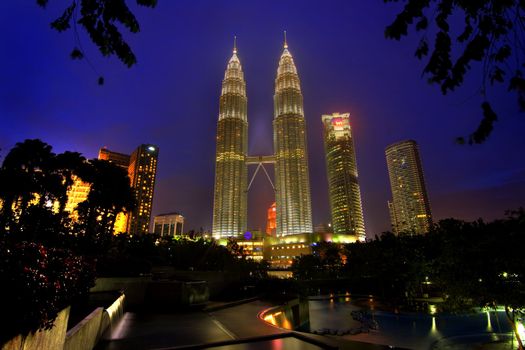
[(512, 322)]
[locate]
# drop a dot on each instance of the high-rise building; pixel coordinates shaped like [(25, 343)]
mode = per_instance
[(170, 224), (142, 173), (231, 172), (271, 224), (343, 185), (141, 166), (292, 192), (410, 207)]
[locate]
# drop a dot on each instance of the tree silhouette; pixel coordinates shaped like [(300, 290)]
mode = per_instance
[(493, 33), (101, 19), (34, 183), (110, 194)]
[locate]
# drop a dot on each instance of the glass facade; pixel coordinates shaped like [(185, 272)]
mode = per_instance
[(231, 172), (292, 195), (343, 185), (410, 207)]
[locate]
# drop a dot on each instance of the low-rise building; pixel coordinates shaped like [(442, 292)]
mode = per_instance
[(169, 224)]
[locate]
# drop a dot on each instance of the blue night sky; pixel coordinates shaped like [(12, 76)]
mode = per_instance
[(171, 99)]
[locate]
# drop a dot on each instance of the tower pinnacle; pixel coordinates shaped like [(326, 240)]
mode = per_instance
[(285, 42), (235, 44)]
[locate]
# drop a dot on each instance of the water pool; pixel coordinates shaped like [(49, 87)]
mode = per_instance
[(414, 330)]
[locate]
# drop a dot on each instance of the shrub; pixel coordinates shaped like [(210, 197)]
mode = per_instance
[(37, 283)]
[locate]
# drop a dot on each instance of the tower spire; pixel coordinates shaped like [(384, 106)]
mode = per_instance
[(285, 42), (235, 44)]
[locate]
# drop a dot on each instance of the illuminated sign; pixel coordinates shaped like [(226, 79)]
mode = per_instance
[(338, 123)]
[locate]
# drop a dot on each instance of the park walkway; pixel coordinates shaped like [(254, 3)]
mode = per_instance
[(174, 330)]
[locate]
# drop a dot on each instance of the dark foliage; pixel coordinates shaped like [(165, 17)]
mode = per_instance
[(101, 19), (467, 263), (37, 282), (46, 262), (492, 33)]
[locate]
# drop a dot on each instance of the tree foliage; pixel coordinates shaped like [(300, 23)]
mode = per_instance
[(492, 33), (102, 20), (34, 183), (467, 264), (37, 282), (46, 262)]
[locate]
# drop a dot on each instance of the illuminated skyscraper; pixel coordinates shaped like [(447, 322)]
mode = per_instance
[(410, 207), (141, 166), (343, 186), (231, 172), (142, 172), (292, 195)]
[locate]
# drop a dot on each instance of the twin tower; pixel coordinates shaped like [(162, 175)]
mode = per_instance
[(292, 184)]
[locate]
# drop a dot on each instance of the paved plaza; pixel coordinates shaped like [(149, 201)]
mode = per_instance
[(232, 328)]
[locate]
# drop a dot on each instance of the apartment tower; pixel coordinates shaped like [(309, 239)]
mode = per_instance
[(410, 207)]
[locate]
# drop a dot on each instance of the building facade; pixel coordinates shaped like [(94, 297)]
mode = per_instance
[(120, 159), (170, 224), (292, 183), (76, 194), (142, 173), (293, 213), (231, 171), (410, 207), (343, 184), (141, 166)]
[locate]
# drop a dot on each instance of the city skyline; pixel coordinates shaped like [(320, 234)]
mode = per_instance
[(171, 99)]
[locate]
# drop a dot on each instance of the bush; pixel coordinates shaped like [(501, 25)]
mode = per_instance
[(37, 283)]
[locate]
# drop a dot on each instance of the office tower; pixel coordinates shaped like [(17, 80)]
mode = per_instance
[(142, 172), (170, 224), (292, 195), (231, 173), (343, 185), (271, 224), (409, 208)]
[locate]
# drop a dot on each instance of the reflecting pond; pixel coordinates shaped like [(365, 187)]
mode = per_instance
[(411, 330)]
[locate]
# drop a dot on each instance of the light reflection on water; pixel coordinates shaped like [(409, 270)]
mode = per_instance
[(414, 331)]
